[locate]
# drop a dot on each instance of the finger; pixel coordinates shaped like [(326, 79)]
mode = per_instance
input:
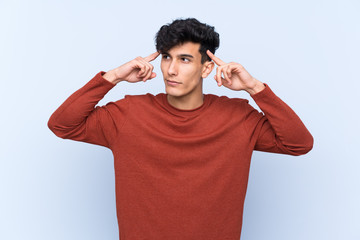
[(143, 60), (217, 60), (152, 56), (226, 75), (149, 69), (225, 84), (148, 75), (229, 70), (221, 82), (151, 75), (141, 67), (144, 66), (218, 76), (139, 62), (143, 63)]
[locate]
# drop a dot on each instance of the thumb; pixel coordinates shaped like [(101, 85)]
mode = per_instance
[(152, 75)]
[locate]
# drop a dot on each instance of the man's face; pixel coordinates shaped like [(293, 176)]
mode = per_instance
[(182, 70)]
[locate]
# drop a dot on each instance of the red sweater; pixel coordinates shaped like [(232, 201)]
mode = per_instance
[(180, 174)]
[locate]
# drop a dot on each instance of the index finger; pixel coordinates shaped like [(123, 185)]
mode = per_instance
[(152, 57), (217, 60)]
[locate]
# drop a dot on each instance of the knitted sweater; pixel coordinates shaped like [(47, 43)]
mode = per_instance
[(180, 174)]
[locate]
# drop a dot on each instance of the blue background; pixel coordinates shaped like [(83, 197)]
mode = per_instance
[(307, 51)]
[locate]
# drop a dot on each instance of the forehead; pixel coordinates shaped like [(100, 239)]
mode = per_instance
[(186, 48)]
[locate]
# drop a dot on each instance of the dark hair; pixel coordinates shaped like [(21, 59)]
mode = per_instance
[(187, 30)]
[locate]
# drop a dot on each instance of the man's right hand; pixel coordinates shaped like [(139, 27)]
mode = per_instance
[(138, 69)]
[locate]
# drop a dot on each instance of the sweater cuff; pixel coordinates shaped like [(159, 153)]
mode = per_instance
[(266, 93), (99, 78)]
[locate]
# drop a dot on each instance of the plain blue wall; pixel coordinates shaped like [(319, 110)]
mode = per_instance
[(307, 51)]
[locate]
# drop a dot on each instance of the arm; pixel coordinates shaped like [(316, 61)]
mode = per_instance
[(280, 130), (78, 118)]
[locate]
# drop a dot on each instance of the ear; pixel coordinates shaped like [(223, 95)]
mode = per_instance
[(207, 68)]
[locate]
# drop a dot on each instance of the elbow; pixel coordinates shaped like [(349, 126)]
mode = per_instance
[(305, 147), (52, 126), (310, 144), (55, 127), (65, 130)]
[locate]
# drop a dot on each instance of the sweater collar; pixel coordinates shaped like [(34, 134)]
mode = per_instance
[(180, 112)]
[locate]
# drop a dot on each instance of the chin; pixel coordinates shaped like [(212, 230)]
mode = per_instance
[(173, 92)]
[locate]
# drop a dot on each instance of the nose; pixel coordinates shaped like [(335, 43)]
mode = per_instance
[(173, 70)]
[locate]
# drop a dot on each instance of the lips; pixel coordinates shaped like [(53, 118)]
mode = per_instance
[(172, 82)]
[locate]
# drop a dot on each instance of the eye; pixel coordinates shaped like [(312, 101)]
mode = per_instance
[(165, 57), (185, 59)]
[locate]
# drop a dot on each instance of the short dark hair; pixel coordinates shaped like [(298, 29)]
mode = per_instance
[(187, 30)]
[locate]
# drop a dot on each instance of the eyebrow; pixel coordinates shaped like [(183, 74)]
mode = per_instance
[(186, 55), (181, 55)]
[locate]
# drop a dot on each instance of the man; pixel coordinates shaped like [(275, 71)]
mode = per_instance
[(182, 157)]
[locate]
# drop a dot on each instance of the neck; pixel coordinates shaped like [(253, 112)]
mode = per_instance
[(186, 102)]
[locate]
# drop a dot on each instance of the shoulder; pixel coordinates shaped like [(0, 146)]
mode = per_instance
[(135, 98), (225, 101), (129, 100), (238, 108), (234, 111), (139, 98), (144, 101)]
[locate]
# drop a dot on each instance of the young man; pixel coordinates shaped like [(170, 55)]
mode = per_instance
[(182, 157)]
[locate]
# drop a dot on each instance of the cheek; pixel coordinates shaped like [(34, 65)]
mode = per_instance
[(162, 67), (192, 72)]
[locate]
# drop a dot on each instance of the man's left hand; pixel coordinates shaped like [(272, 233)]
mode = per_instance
[(235, 76)]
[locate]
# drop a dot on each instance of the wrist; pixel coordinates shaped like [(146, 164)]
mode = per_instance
[(111, 77), (258, 87)]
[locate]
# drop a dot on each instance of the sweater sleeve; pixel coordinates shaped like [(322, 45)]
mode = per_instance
[(279, 129), (78, 118)]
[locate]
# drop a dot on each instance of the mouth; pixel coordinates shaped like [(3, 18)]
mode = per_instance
[(172, 82)]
